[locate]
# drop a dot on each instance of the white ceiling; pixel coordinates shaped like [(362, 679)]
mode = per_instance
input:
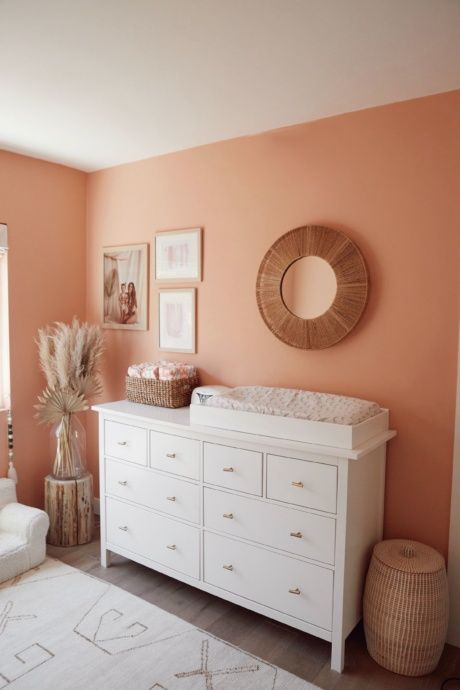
[(94, 83)]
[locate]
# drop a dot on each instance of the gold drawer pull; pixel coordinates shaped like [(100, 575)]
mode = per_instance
[(228, 515), (297, 535), (124, 528), (227, 567), (122, 483), (296, 590), (171, 546), (171, 455), (299, 485), (170, 498), (228, 469), (122, 443)]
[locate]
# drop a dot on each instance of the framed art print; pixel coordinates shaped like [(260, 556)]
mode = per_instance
[(125, 287), (176, 320), (178, 255)]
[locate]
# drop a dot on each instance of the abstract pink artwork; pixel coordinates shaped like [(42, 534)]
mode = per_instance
[(178, 255), (176, 320)]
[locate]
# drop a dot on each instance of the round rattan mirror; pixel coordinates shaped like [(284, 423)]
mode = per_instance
[(348, 299)]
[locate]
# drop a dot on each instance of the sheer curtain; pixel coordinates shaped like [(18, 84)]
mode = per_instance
[(111, 289), (4, 332), (5, 393)]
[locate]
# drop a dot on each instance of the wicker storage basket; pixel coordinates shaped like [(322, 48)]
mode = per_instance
[(406, 607), (175, 393)]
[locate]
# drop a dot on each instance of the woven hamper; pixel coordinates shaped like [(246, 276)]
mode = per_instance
[(406, 607), (175, 393)]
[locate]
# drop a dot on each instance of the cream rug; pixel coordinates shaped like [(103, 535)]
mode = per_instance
[(61, 628)]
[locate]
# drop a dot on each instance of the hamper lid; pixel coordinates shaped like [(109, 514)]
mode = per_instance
[(409, 556)]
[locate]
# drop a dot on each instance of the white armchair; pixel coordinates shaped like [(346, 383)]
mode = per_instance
[(22, 533)]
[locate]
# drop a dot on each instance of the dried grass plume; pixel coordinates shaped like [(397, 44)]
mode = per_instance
[(69, 356)]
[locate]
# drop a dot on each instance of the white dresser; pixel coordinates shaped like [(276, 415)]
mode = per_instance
[(280, 527)]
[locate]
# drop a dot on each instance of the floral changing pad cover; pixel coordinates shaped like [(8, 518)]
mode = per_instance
[(290, 402)]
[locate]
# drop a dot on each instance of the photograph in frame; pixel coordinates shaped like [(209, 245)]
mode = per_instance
[(176, 320), (178, 255), (125, 289)]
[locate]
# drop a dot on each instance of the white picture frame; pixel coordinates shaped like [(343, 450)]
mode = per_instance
[(125, 287), (178, 255), (177, 320)]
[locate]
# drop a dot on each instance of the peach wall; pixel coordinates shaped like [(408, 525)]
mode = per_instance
[(388, 177), (44, 207)]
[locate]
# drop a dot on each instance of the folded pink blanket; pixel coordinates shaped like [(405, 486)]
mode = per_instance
[(163, 370)]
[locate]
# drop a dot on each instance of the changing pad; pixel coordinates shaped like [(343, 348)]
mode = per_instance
[(289, 402)]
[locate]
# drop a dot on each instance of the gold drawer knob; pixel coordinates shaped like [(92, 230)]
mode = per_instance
[(122, 482), (298, 485), (296, 590), (297, 535), (124, 528), (227, 567), (170, 498), (122, 443), (171, 455), (228, 469), (171, 546), (229, 516)]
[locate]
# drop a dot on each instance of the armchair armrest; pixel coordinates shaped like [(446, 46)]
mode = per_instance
[(7, 492), (29, 523)]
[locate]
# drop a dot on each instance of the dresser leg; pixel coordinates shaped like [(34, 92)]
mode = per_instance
[(338, 655), (106, 557)]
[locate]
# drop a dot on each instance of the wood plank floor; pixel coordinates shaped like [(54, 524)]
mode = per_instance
[(304, 655)]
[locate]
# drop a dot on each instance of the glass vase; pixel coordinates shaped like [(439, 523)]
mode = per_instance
[(68, 448)]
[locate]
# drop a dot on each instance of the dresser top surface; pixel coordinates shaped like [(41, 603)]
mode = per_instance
[(179, 420), (178, 417)]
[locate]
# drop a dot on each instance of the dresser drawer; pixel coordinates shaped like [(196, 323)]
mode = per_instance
[(153, 536), (303, 483), (170, 495), (295, 531), (233, 468), (175, 454), (125, 442), (267, 578)]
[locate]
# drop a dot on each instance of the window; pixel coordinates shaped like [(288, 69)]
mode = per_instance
[(4, 331)]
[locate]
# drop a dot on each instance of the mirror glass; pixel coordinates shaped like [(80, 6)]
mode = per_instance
[(309, 287)]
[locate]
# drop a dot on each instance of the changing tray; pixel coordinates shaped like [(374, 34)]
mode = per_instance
[(319, 418)]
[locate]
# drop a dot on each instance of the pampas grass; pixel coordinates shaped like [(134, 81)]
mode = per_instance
[(69, 356)]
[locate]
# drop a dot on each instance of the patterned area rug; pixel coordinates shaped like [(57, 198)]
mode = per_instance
[(62, 628)]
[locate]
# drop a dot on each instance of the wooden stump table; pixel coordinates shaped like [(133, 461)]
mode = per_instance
[(69, 504)]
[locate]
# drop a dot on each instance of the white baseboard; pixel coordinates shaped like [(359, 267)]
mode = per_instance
[(96, 506)]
